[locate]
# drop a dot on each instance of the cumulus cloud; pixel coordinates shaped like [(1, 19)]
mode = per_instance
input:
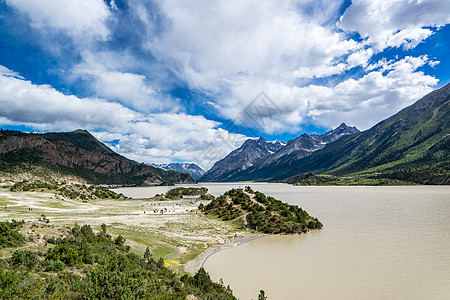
[(211, 43), (375, 96), (22, 101), (81, 19), (145, 137), (106, 77), (386, 89), (395, 23), (275, 48)]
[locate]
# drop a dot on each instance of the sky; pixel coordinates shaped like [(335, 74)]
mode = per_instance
[(189, 81)]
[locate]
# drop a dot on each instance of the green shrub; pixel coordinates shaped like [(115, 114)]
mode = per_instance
[(9, 236), (51, 265), (66, 253), (23, 258)]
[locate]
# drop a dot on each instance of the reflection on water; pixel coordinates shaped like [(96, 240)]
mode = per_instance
[(377, 243)]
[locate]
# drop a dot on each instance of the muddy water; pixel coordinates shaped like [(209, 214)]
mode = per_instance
[(377, 243)]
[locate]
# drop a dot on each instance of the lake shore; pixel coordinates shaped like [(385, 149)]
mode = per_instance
[(194, 265)]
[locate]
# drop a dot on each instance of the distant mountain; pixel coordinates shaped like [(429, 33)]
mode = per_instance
[(79, 154), (250, 153), (189, 168), (257, 154), (412, 145), (304, 145)]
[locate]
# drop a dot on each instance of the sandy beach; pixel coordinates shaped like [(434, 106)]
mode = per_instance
[(194, 265)]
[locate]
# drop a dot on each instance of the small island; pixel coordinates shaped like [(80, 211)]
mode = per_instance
[(261, 213)]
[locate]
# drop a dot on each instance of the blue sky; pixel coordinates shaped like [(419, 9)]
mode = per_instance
[(172, 81)]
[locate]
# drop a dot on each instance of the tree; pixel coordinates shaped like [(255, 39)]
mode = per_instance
[(119, 241), (262, 295), (103, 226), (23, 257), (147, 254)]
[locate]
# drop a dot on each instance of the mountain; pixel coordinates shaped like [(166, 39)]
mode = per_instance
[(412, 145), (247, 155), (305, 144), (192, 169), (79, 154), (257, 154)]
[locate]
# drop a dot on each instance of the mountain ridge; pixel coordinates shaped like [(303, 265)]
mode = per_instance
[(250, 152), (189, 168), (77, 153), (257, 154)]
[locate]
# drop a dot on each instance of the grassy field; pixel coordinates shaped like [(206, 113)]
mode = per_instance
[(174, 230)]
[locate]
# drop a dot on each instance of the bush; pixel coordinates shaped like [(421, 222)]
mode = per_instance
[(66, 253), (9, 237), (23, 258), (53, 265)]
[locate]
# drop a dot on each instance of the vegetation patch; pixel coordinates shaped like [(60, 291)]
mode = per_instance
[(261, 213), (72, 191), (179, 192), (371, 179), (9, 236), (88, 265)]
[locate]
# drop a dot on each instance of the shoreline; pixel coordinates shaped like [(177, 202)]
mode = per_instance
[(195, 264)]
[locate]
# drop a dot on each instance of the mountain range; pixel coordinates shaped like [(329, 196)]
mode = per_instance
[(258, 154), (412, 145), (189, 168), (251, 152), (78, 154)]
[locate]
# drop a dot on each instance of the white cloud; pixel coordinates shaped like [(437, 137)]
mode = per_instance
[(149, 138), (81, 18), (389, 87), (395, 23), (375, 96), (211, 43), (106, 78), (22, 101), (235, 50)]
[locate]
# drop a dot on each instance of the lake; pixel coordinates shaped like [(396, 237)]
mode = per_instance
[(377, 243)]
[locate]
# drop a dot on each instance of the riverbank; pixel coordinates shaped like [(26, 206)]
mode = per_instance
[(173, 230), (195, 264)]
